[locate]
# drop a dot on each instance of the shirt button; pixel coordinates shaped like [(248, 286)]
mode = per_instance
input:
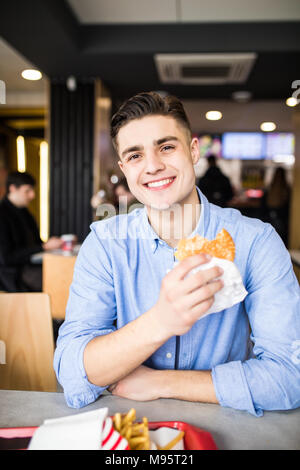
[(169, 355)]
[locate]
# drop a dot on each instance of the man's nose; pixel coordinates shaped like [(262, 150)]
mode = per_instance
[(153, 163)]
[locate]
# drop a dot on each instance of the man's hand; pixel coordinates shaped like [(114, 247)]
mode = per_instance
[(143, 384), (184, 299), (54, 243)]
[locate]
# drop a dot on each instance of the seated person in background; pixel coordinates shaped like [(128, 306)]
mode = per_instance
[(276, 204), (137, 325), (124, 198), (19, 237), (215, 185)]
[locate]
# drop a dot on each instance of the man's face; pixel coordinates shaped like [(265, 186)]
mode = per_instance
[(157, 158), (22, 195)]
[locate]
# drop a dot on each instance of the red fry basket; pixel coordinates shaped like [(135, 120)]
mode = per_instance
[(194, 438)]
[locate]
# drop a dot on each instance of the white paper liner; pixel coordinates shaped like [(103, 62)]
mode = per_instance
[(162, 436)]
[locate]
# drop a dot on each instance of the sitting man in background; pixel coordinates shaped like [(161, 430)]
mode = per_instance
[(124, 198), (19, 237), (215, 185)]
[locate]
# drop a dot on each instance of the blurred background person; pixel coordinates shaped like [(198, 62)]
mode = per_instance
[(100, 197), (123, 197), (215, 185), (19, 237), (276, 202)]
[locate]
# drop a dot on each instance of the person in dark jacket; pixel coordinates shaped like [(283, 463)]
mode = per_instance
[(276, 204), (19, 237), (215, 185)]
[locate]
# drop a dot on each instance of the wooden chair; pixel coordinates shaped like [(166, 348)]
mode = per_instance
[(27, 345), (57, 278)]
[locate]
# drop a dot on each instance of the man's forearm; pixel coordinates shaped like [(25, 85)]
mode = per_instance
[(109, 358), (189, 385)]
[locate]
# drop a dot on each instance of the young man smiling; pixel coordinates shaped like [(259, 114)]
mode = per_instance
[(134, 321)]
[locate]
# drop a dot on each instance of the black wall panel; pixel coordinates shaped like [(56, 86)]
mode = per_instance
[(71, 158)]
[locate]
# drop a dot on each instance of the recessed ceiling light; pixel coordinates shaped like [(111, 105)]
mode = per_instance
[(268, 126), (31, 74), (213, 115), (291, 101), (242, 96)]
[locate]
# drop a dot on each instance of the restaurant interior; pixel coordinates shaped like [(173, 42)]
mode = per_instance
[(65, 68)]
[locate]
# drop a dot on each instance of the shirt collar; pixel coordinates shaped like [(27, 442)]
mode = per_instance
[(150, 234)]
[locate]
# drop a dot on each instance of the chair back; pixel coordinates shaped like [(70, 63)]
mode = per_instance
[(57, 278), (26, 342)]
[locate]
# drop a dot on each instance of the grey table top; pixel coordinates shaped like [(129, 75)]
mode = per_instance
[(231, 429)]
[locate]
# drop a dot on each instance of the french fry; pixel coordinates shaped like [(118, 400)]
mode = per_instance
[(174, 441), (138, 440), (128, 433), (117, 421), (130, 417), (137, 434)]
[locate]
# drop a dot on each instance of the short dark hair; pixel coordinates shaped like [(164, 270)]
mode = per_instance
[(145, 104), (211, 159), (18, 179)]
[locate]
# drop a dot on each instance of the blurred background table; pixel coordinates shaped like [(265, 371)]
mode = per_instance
[(231, 429)]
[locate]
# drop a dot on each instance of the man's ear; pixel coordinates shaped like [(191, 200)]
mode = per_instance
[(11, 188), (195, 150), (121, 165)]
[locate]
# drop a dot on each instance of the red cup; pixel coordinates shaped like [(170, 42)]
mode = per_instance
[(68, 242)]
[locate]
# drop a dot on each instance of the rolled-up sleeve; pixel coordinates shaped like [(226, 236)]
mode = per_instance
[(91, 311), (271, 379)]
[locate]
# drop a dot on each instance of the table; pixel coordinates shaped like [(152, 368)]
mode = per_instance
[(37, 258), (231, 429)]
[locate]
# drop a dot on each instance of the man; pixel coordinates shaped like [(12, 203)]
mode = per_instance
[(215, 185), (134, 321), (19, 237)]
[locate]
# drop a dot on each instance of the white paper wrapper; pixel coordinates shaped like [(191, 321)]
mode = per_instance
[(163, 436), (233, 291), (82, 431)]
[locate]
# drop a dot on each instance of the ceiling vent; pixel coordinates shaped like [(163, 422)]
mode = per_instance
[(204, 69)]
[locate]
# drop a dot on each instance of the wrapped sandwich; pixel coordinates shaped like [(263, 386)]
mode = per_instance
[(222, 250)]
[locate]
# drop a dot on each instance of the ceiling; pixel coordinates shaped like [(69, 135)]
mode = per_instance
[(12, 63), (25, 109), (116, 40), (185, 11)]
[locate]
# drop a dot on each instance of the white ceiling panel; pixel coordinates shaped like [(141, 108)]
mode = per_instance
[(172, 11), (239, 10), (11, 65), (124, 11), (245, 117)]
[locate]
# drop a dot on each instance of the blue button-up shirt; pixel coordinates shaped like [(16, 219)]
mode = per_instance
[(252, 348)]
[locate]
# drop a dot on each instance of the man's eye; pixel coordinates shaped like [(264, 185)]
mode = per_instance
[(133, 157), (167, 147)]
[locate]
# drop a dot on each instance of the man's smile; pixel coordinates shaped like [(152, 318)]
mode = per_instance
[(162, 183)]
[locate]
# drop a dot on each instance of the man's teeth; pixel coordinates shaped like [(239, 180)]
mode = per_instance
[(159, 183)]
